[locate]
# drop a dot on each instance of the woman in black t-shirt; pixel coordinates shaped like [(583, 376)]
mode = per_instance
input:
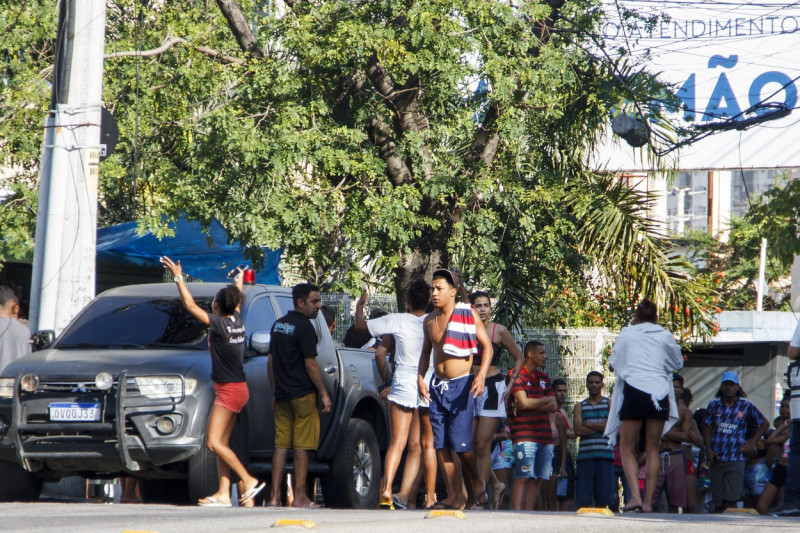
[(226, 345)]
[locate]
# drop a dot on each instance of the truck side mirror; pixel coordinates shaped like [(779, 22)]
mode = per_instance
[(259, 342), (42, 339)]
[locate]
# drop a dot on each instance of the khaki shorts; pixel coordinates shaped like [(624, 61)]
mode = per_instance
[(297, 423)]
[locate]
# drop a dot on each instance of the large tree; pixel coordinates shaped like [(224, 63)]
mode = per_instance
[(404, 134)]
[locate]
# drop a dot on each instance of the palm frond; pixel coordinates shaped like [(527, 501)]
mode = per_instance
[(635, 258)]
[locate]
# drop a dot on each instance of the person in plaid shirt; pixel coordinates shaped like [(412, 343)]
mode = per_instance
[(727, 424)]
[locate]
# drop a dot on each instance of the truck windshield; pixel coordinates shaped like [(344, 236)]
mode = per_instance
[(136, 323)]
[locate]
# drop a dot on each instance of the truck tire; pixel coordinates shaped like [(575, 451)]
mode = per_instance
[(18, 484), (354, 478), (203, 480)]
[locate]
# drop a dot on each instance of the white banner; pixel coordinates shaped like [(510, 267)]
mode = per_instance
[(724, 58)]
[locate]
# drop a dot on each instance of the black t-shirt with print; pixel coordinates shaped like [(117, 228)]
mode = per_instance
[(226, 344), (293, 340)]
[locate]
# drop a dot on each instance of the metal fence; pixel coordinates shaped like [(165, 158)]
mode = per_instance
[(344, 307), (573, 353)]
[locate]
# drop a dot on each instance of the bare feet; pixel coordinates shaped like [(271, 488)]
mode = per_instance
[(304, 503)]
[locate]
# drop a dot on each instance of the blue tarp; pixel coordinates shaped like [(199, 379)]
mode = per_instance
[(208, 257)]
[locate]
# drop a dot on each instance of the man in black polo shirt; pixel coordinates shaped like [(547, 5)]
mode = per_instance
[(296, 380)]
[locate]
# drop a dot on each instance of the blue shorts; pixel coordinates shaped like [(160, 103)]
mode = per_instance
[(533, 460), (451, 413)]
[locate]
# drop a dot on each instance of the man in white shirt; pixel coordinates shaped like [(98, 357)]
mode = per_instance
[(15, 336)]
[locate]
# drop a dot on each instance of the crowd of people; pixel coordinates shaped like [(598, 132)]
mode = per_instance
[(469, 436), (644, 442)]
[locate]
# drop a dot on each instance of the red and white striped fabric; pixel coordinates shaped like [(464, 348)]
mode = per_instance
[(460, 339)]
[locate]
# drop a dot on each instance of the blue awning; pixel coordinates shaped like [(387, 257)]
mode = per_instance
[(206, 256)]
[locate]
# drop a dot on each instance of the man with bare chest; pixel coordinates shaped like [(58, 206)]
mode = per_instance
[(452, 331)]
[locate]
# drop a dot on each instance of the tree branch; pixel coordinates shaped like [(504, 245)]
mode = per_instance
[(168, 43), (240, 27), (484, 147), (382, 138), (404, 102)]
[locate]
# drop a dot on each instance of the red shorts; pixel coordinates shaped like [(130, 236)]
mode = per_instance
[(231, 396)]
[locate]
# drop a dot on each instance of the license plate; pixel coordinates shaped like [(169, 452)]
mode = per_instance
[(74, 412)]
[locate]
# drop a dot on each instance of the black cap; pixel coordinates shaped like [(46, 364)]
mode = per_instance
[(446, 274)]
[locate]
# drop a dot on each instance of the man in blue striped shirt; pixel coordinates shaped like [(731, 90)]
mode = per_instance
[(594, 484)]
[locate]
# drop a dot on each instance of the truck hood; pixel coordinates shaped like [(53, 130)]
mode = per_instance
[(89, 362)]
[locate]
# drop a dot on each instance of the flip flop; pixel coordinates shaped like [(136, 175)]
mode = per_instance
[(312, 506), (387, 504), (397, 503), (633, 509), (252, 493), (487, 503), (438, 506), (210, 501)]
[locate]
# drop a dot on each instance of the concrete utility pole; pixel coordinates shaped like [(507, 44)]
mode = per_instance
[(66, 223)]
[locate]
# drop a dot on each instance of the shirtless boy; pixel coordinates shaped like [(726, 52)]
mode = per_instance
[(452, 387)]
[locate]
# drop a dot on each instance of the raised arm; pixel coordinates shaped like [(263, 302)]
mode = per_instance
[(360, 323), (186, 297)]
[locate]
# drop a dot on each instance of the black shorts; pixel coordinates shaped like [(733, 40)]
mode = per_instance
[(778, 475), (569, 466), (637, 405)]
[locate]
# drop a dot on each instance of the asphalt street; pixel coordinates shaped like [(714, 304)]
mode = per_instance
[(48, 517)]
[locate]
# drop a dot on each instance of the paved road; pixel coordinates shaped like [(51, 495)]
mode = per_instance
[(49, 517)]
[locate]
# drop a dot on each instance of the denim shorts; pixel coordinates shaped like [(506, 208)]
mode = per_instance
[(533, 460), (404, 387)]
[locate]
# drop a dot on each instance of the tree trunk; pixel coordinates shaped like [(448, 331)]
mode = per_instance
[(426, 254)]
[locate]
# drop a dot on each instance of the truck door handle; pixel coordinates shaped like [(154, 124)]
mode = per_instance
[(330, 369)]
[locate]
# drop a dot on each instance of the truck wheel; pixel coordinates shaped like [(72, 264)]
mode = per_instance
[(354, 478), (203, 479), (18, 484)]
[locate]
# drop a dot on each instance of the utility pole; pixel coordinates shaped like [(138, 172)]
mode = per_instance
[(63, 278)]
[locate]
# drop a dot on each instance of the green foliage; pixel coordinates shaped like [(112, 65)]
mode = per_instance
[(25, 54), (732, 267), (351, 134)]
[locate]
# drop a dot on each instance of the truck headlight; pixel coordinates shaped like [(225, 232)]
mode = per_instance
[(164, 386), (104, 381), (6, 387), (29, 382)]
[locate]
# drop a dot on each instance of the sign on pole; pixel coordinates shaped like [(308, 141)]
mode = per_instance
[(726, 60)]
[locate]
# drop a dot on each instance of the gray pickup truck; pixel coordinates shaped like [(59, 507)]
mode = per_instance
[(126, 390)]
